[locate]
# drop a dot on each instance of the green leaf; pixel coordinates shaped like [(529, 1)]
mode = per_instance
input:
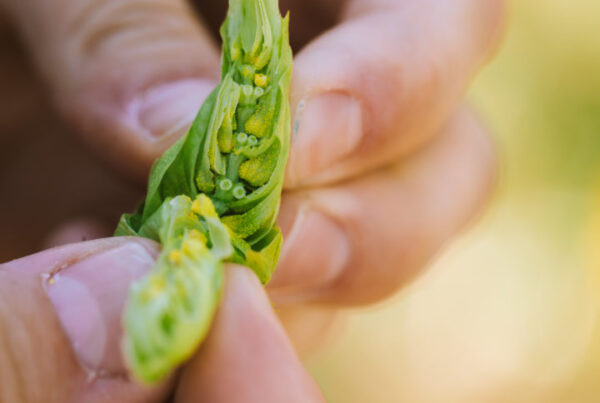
[(125, 228), (263, 262), (246, 224), (174, 173)]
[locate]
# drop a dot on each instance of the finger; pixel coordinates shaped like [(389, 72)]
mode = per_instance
[(360, 242), (60, 316), (383, 82), (77, 230), (130, 75), (310, 327), (247, 357)]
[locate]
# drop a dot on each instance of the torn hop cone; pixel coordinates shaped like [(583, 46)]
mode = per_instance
[(213, 197)]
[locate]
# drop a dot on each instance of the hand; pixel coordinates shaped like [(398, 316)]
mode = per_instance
[(386, 165), (68, 350)]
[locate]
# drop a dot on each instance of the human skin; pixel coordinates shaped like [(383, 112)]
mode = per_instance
[(386, 163)]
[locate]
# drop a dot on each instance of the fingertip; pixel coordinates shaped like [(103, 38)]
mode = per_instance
[(330, 253), (407, 83), (239, 276), (247, 356), (77, 230), (61, 309), (165, 111)]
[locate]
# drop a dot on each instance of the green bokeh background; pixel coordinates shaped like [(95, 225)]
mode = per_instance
[(508, 313)]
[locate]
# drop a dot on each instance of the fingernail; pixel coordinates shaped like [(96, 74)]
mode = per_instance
[(329, 129), (169, 109), (88, 297), (314, 254)]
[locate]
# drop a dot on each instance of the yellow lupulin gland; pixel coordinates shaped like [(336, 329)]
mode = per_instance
[(203, 206), (260, 80), (193, 248), (176, 257)]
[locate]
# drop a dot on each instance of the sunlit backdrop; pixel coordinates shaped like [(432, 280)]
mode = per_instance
[(508, 313)]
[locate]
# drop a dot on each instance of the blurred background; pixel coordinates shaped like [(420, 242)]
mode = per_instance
[(509, 312)]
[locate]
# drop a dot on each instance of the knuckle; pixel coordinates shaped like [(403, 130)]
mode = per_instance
[(116, 25), (112, 49)]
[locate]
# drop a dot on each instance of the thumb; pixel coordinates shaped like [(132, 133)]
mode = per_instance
[(60, 316), (247, 356), (130, 75)]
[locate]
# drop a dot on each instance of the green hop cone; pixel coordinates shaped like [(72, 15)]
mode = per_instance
[(213, 197)]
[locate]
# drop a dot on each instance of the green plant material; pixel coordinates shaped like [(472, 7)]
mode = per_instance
[(214, 195)]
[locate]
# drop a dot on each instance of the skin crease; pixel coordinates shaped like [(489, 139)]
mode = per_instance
[(421, 142)]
